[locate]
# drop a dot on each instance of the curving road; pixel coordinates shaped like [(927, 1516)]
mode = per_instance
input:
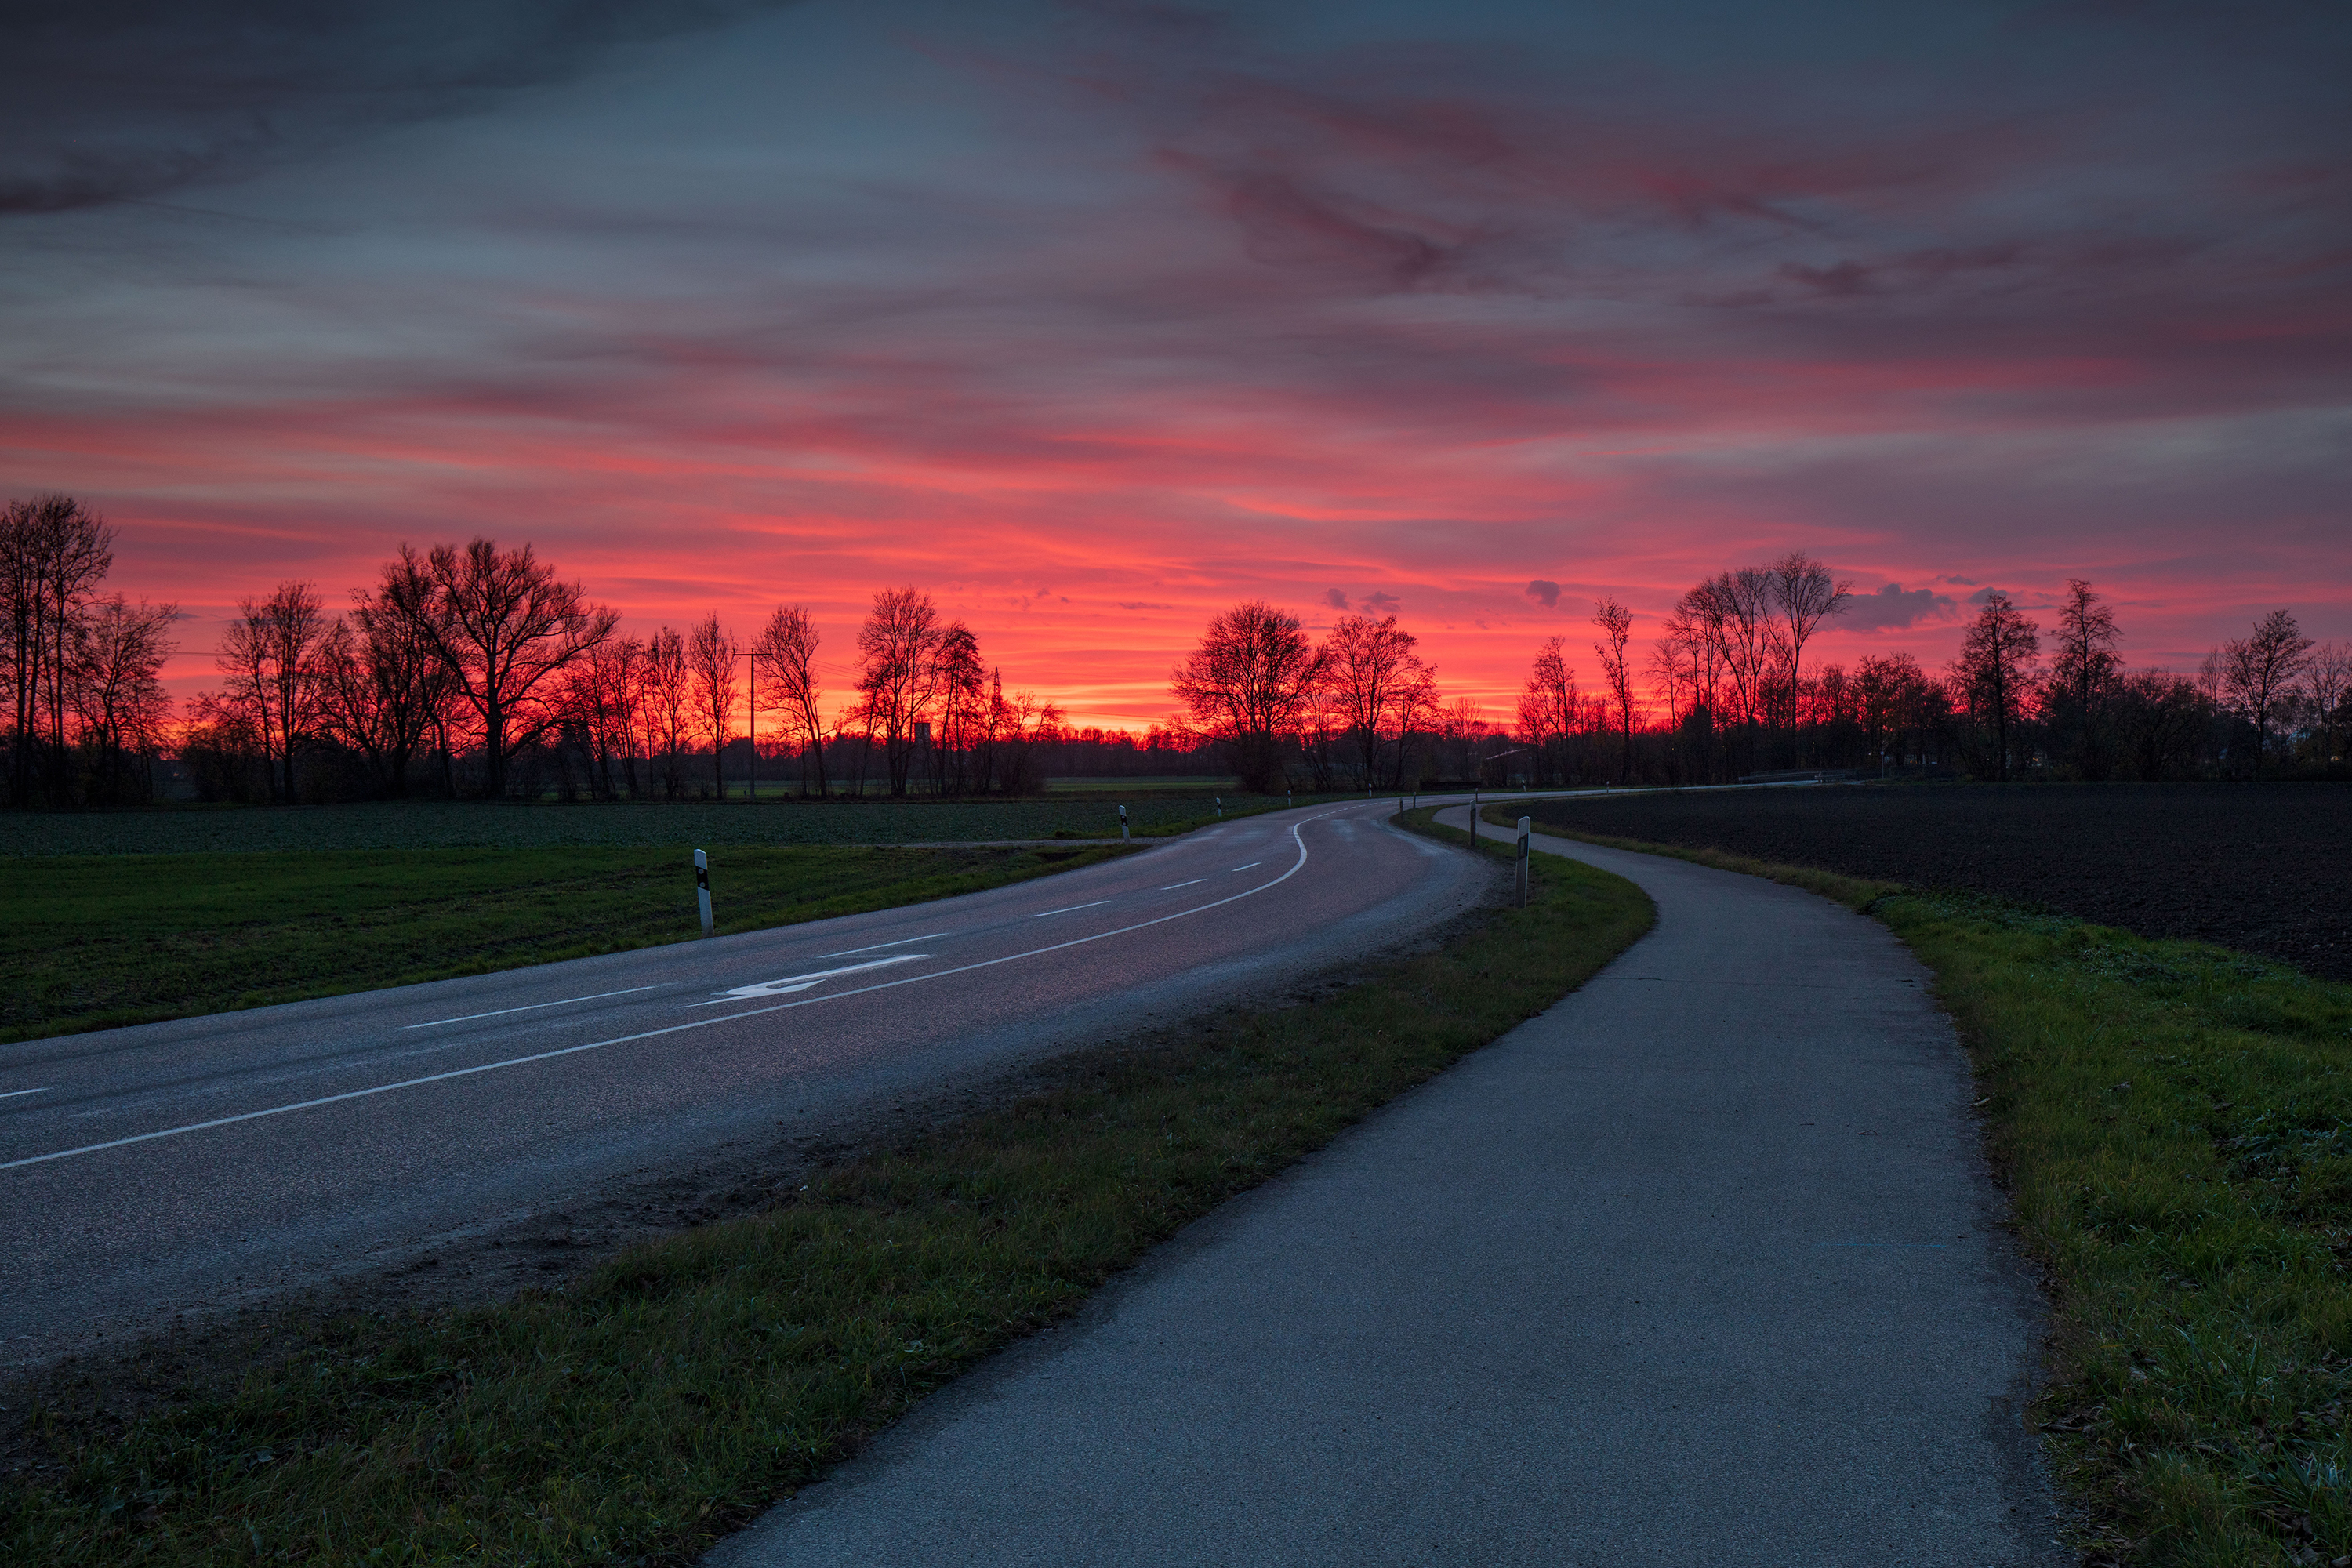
[(210, 1161)]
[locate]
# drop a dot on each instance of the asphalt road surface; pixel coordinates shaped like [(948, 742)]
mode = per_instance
[(213, 1161), (1701, 1265)]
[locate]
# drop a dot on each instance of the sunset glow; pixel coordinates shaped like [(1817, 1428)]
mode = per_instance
[(1092, 320)]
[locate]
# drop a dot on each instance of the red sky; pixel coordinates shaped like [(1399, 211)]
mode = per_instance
[(1094, 320)]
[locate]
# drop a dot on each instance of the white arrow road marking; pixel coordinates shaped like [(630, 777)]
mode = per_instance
[(791, 983)]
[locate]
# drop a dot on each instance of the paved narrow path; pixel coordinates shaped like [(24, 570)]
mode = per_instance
[(1701, 1265)]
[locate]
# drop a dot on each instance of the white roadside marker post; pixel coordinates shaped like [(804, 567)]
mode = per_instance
[(1525, 825), (1473, 820), (702, 887), (1122, 824), (1221, 809)]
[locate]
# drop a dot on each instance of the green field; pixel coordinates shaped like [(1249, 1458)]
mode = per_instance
[(634, 1416), (1157, 784), (615, 824), (92, 941), (2174, 1123)]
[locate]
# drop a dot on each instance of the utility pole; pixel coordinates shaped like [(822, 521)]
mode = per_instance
[(753, 660)]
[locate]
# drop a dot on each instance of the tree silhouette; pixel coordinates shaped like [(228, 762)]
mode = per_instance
[(1994, 671), (1243, 685)]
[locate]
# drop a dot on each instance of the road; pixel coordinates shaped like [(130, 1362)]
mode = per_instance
[(1703, 1265), (213, 1161)]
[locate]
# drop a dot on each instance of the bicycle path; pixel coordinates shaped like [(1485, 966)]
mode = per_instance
[(1701, 1265)]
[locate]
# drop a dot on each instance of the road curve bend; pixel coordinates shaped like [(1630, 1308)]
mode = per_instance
[(214, 1161)]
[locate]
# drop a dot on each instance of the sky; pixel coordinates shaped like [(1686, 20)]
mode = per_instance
[(1094, 319)]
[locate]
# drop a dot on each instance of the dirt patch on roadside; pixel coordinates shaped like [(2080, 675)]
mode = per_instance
[(2255, 866)]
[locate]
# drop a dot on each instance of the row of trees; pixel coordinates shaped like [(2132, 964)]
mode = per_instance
[(2271, 699), (1728, 695), (478, 669), (86, 708)]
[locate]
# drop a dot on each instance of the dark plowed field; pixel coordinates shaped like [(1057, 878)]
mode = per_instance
[(2267, 869)]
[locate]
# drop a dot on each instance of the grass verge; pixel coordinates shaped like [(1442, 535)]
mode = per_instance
[(690, 1382), (93, 942), (2174, 1122)]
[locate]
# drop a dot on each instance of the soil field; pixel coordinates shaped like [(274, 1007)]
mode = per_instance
[(2265, 868)]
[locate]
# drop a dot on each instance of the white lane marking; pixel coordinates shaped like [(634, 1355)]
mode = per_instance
[(502, 1012), (878, 947), (1296, 867), (1194, 883), (1250, 867), (791, 983), (14, 1092), (1043, 913)]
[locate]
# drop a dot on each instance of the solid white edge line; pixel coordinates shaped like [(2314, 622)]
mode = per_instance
[(14, 1092), (1041, 915), (676, 1028), (535, 1006)]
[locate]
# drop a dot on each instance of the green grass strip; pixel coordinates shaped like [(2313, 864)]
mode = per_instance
[(695, 1381), (92, 943), (2174, 1122)]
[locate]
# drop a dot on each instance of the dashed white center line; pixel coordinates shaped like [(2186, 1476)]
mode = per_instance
[(878, 947), (1043, 913), (1194, 883), (1250, 867), (535, 1006), (13, 1093)]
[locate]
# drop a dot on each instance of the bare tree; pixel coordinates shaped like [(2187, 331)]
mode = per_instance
[(1369, 667), (601, 698), (1734, 610), (898, 678), (383, 684), (1245, 685), (2160, 717), (964, 710), (667, 705), (1994, 672), (1806, 595), (2258, 670), (507, 628), (2083, 671), (119, 654), (1549, 704), (270, 654), (1616, 624), (2326, 683), (787, 646), (53, 552), (710, 656), (1322, 723)]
